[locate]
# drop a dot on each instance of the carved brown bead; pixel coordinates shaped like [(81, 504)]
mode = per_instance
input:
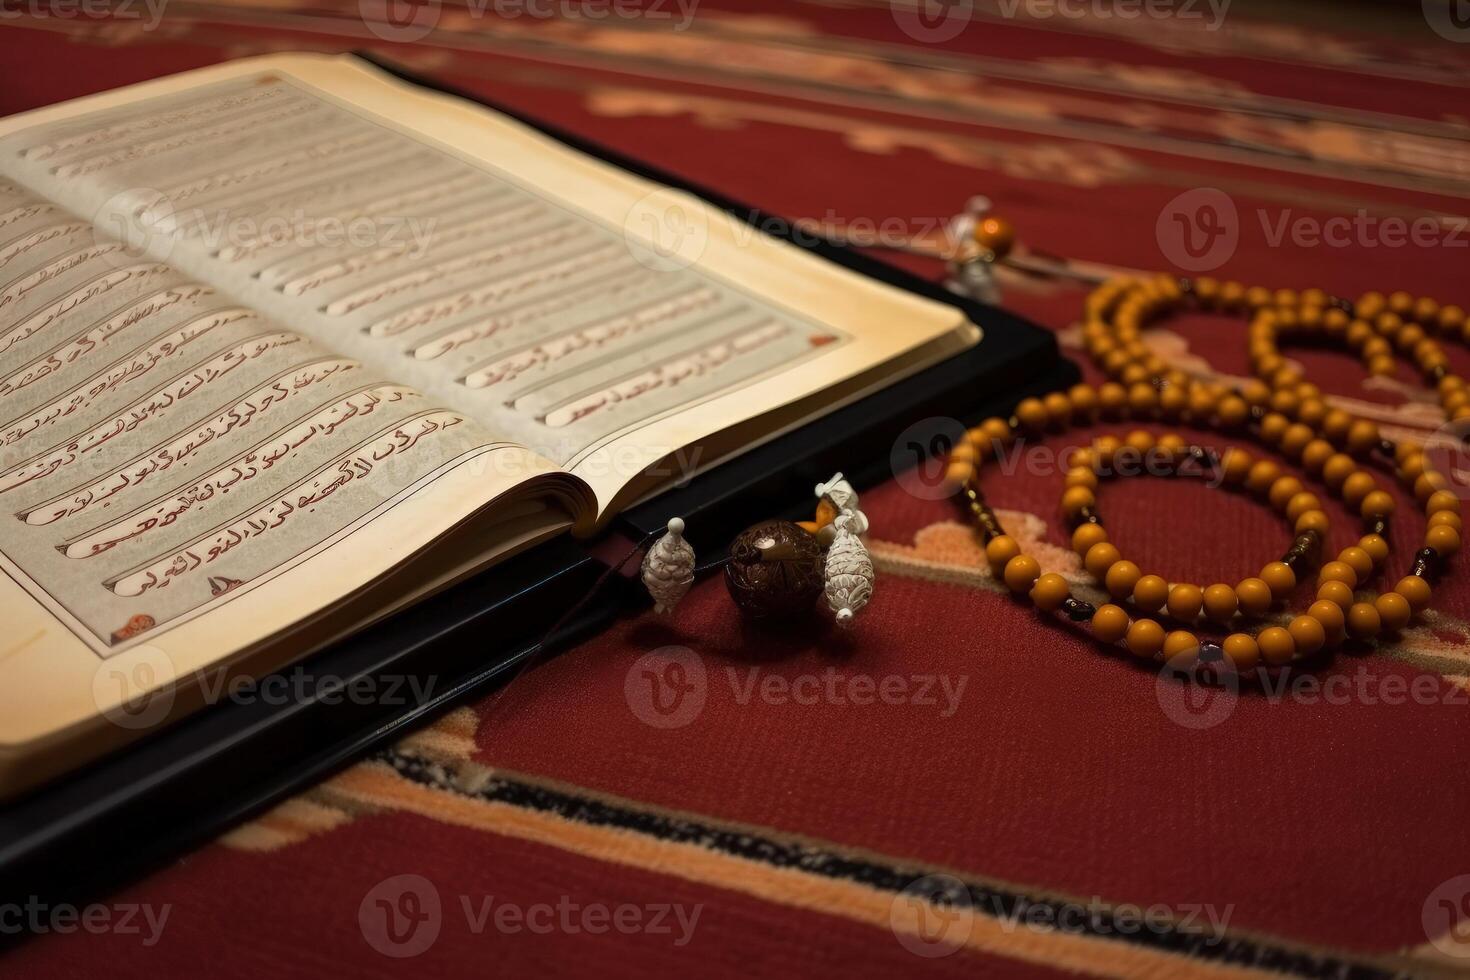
[(775, 570)]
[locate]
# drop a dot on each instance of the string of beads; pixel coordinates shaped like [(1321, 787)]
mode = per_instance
[(1282, 411)]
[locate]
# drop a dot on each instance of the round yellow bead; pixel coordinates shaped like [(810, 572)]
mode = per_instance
[(1297, 437), (1180, 643), (1443, 539), (1302, 503), (1357, 487), (1336, 591), (998, 430), (1084, 400), (1242, 651), (1050, 591), (1307, 634), (1375, 545), (1329, 614), (957, 472), (1310, 414), (1363, 620), (1279, 577), (1338, 571), (1282, 490), (1316, 454), (986, 447), (1109, 623), (1172, 445), (1001, 549), (1150, 593), (1021, 573), (1362, 436), (1145, 637), (1276, 645), (1058, 408), (1312, 520), (1442, 500), (1262, 475), (1074, 499), (1032, 414), (1273, 427), (1099, 558), (1220, 602), (1415, 590), (1139, 440), (1185, 601), (1112, 397), (1081, 476), (1412, 467), (1232, 411), (1427, 483), (1081, 458), (1394, 611), (1336, 425), (1201, 401), (1378, 503), (1446, 518), (1121, 578), (1337, 469), (1358, 560), (1256, 391), (1086, 536), (1142, 398), (1235, 465), (1254, 596)]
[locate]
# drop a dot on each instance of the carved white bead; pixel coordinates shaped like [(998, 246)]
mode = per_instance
[(839, 491), (841, 495), (849, 572), (668, 568)]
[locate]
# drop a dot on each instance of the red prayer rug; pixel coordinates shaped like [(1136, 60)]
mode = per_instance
[(959, 786)]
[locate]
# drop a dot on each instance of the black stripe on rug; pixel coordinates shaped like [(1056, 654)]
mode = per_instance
[(1095, 920)]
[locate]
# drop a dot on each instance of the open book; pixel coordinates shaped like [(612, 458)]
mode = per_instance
[(287, 344)]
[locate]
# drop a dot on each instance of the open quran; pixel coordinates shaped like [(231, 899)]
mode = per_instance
[(288, 344)]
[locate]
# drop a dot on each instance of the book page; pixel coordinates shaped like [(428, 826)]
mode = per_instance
[(604, 322), (182, 478)]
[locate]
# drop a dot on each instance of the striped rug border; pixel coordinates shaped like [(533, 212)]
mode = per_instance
[(991, 900)]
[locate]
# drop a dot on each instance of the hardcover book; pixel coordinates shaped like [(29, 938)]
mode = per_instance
[(288, 344)]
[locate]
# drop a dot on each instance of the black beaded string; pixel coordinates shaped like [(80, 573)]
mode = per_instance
[(1078, 610), (1303, 550), (1426, 564), (985, 519)]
